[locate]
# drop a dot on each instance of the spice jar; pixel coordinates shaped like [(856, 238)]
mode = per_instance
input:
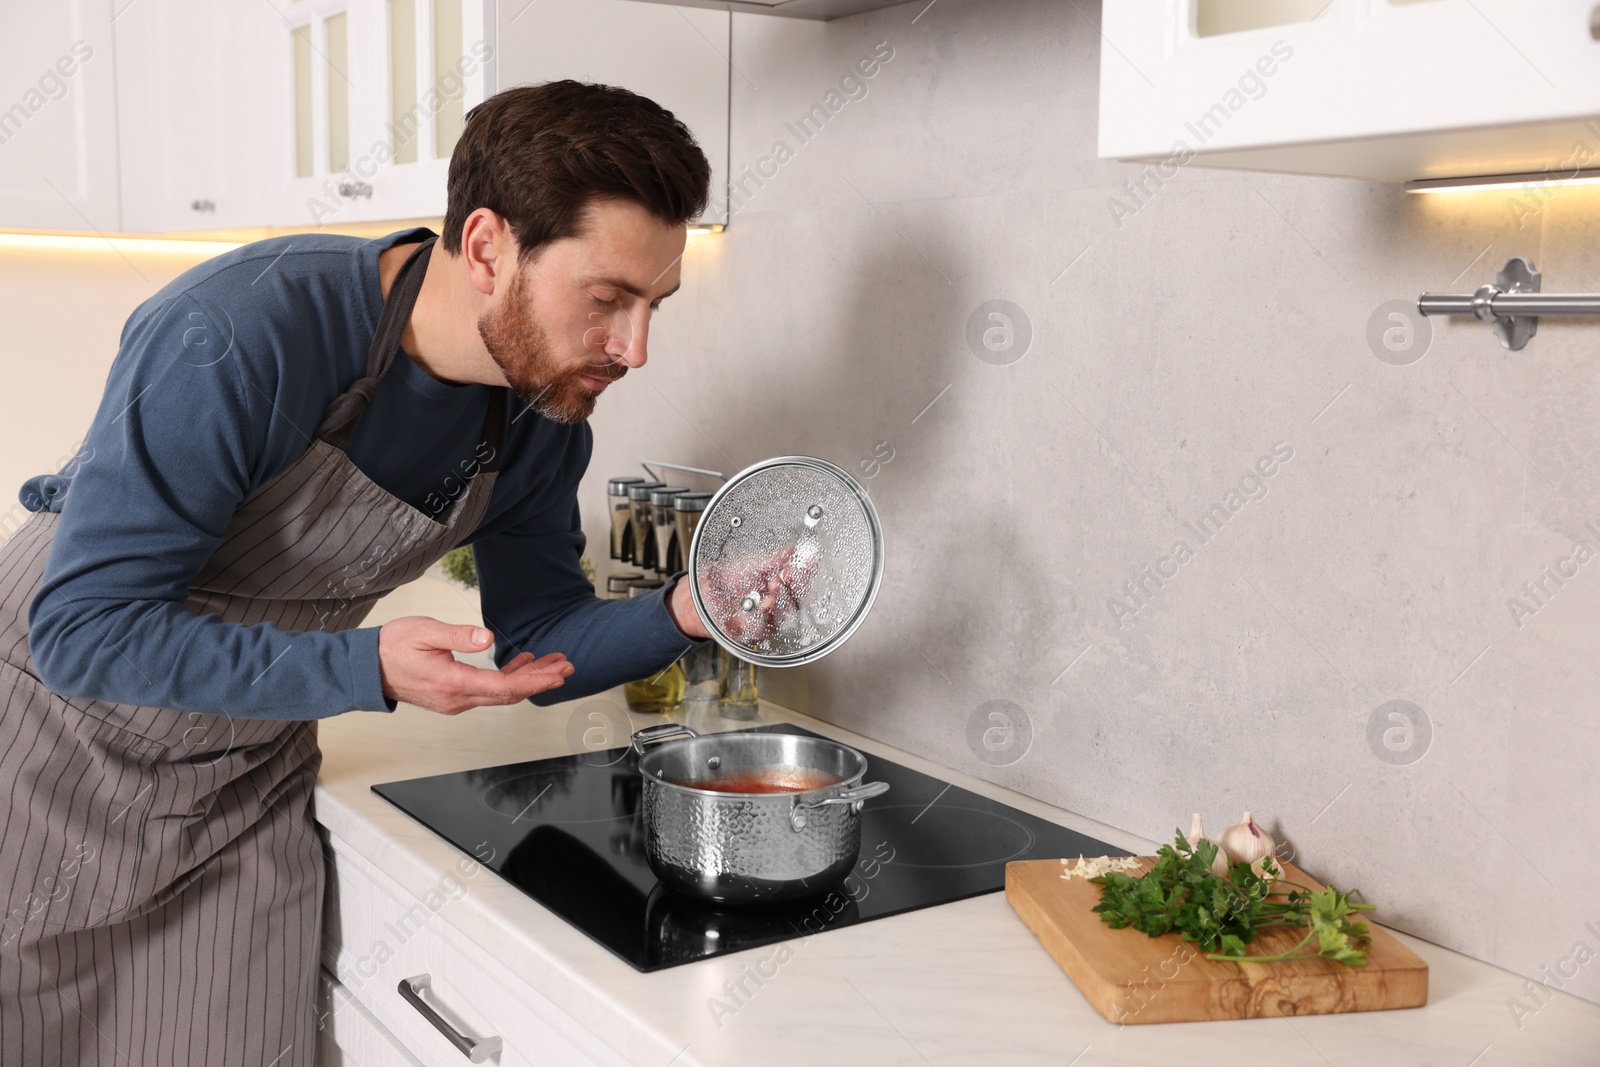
[(641, 535), (737, 689), (702, 664), (662, 691), (686, 512), (617, 502), (617, 585), (665, 532)]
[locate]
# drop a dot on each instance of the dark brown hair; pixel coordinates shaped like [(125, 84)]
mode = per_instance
[(538, 154)]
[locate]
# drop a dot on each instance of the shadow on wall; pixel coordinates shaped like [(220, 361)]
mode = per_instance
[(957, 572)]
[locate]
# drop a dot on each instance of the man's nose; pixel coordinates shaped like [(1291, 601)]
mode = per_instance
[(628, 346)]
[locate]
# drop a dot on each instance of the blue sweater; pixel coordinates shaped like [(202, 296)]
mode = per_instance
[(218, 385)]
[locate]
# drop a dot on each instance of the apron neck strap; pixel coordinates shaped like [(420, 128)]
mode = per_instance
[(397, 309), (494, 429), (344, 414)]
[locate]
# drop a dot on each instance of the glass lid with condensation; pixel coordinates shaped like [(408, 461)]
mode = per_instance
[(786, 561)]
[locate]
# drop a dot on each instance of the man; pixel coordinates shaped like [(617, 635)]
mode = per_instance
[(288, 432)]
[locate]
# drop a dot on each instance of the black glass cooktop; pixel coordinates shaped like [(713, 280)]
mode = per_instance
[(569, 833)]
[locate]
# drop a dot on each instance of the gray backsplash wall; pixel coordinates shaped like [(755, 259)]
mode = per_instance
[(1215, 322)]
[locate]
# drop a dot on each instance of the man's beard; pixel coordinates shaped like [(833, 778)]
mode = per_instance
[(521, 348)]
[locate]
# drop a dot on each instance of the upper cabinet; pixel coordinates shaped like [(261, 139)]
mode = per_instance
[(678, 57), (58, 136), (168, 116), (1387, 89), (301, 113)]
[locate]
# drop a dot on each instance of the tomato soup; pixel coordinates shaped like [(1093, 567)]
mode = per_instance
[(764, 780)]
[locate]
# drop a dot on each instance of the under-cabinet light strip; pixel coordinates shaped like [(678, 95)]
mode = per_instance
[(1540, 179), (79, 242)]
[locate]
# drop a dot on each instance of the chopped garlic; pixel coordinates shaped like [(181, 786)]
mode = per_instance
[(1095, 866)]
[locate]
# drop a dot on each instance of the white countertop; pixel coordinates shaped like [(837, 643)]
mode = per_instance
[(962, 983)]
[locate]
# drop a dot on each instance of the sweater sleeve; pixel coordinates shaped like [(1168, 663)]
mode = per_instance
[(169, 458), (536, 599)]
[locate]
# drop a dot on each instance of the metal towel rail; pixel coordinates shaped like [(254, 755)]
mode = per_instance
[(649, 466), (1513, 304)]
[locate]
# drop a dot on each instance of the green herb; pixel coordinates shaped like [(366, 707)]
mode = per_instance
[(1182, 894), (459, 566)]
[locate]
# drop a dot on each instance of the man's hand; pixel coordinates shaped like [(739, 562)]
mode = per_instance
[(751, 597), (681, 606), (415, 662)]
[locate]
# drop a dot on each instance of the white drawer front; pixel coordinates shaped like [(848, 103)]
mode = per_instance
[(348, 1035), (375, 935)]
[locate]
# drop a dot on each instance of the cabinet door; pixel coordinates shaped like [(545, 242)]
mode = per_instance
[(677, 56), (325, 79), (189, 89), (58, 155), (437, 59), (375, 93)]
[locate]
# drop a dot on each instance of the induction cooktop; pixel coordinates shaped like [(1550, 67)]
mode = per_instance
[(569, 833)]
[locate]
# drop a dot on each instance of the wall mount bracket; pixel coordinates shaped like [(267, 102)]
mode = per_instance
[(1513, 304)]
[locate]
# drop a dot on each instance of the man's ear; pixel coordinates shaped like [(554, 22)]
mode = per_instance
[(489, 250)]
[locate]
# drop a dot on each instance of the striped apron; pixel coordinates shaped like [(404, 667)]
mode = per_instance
[(160, 872)]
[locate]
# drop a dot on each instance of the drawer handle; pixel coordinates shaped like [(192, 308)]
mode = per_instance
[(474, 1050)]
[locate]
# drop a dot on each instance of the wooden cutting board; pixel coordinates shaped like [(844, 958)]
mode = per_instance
[(1132, 978)]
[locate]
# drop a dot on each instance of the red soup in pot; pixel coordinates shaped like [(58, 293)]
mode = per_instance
[(764, 780)]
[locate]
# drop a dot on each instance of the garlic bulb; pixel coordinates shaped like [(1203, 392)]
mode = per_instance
[(1197, 834), (1246, 842)]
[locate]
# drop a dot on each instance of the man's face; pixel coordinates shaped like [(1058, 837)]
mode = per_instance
[(576, 317)]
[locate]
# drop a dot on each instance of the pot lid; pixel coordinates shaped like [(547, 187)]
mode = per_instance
[(786, 561)]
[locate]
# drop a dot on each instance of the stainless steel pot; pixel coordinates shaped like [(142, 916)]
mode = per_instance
[(742, 847)]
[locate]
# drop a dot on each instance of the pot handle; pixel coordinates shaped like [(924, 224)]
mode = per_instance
[(856, 797), (659, 732)]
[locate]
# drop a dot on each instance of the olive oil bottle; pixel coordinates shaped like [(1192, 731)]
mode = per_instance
[(662, 691)]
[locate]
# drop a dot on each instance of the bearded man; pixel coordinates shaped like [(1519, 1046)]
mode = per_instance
[(288, 432)]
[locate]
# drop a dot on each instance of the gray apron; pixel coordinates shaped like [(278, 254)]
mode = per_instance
[(159, 870)]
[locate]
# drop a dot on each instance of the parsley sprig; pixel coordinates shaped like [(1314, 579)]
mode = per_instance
[(1222, 915)]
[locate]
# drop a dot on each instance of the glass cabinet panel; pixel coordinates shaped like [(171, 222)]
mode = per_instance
[(300, 45), (447, 82), (338, 43), (405, 117)]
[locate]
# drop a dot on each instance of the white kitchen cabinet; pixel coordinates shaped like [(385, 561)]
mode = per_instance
[(161, 116), (194, 88), (1385, 89), (679, 57), (372, 94), (58, 137), (348, 1035), (376, 935)]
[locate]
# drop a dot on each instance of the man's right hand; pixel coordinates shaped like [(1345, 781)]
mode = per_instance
[(416, 665)]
